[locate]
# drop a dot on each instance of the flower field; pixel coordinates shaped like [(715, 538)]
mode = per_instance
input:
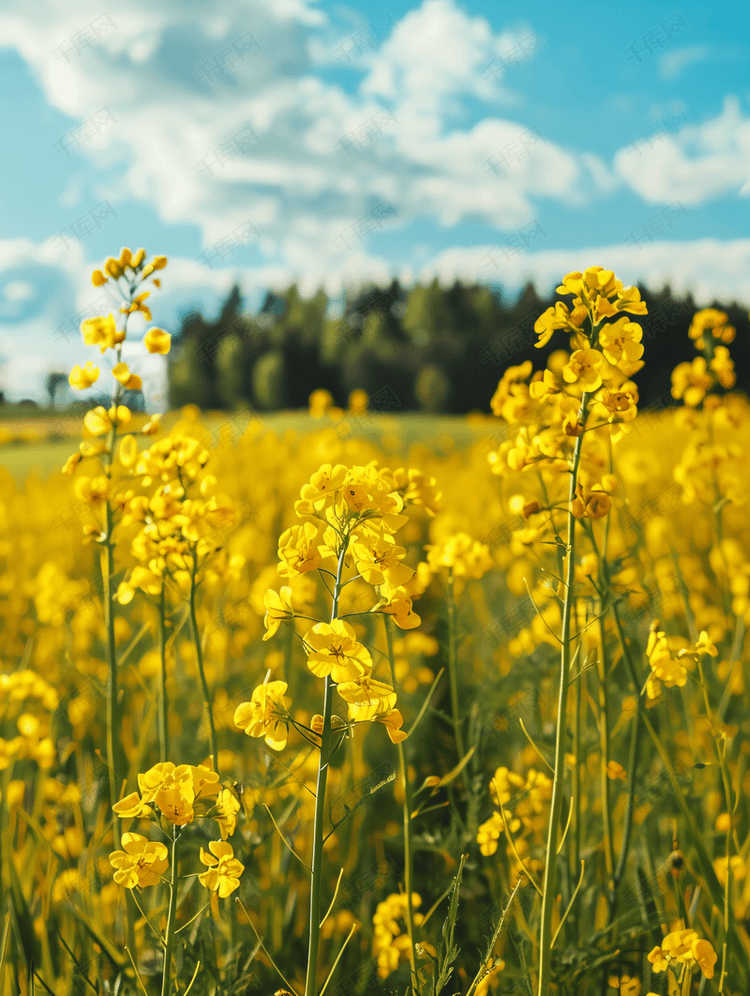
[(333, 711)]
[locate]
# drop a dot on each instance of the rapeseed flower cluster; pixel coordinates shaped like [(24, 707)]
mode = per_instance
[(180, 795), (350, 517), (390, 940), (684, 950)]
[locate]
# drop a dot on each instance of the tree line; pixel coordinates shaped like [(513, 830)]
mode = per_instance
[(430, 348)]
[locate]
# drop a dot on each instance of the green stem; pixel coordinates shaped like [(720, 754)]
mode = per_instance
[(316, 883), (604, 583), (207, 705), (550, 868), (609, 859), (289, 641), (635, 741), (113, 745), (727, 906), (163, 700), (729, 926), (408, 859), (577, 777), (166, 982), (453, 666), (619, 870)]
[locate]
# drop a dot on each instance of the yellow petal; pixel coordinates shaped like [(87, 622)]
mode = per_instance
[(121, 372), (157, 341)]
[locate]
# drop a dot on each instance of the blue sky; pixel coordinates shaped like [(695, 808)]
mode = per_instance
[(338, 144)]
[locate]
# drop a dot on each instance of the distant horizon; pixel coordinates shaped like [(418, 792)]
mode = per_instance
[(156, 385)]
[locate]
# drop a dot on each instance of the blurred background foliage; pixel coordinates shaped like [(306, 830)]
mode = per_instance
[(429, 348)]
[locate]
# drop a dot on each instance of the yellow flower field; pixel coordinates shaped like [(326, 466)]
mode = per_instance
[(306, 712)]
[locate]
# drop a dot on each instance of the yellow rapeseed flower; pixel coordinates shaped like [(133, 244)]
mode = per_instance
[(616, 771), (332, 648), (225, 812), (157, 341), (399, 605), (584, 368), (131, 381), (278, 607), (132, 806), (142, 862), (684, 947), (102, 332), (263, 715), (370, 700), (378, 560), (621, 342), (224, 870), (82, 377), (298, 551)]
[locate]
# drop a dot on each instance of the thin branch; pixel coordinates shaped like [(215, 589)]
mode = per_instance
[(195, 975), (136, 639), (284, 766), (264, 949), (341, 740), (567, 827), (338, 957), (135, 969), (437, 903), (483, 973), (570, 904), (512, 843), (41, 980), (154, 931), (350, 580), (587, 624), (426, 702), (335, 893), (286, 842), (322, 570), (538, 752), (554, 634), (194, 918)]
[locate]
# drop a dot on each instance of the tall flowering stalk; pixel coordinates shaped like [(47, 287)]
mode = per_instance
[(122, 277), (116, 452), (103, 495), (182, 540), (324, 760), (580, 392), (607, 352), (359, 510)]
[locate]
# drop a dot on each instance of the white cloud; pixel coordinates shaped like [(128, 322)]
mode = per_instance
[(706, 268), (436, 53), (671, 64), (693, 164), (18, 290), (296, 187)]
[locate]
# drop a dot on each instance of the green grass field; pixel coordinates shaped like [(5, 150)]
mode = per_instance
[(44, 455)]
